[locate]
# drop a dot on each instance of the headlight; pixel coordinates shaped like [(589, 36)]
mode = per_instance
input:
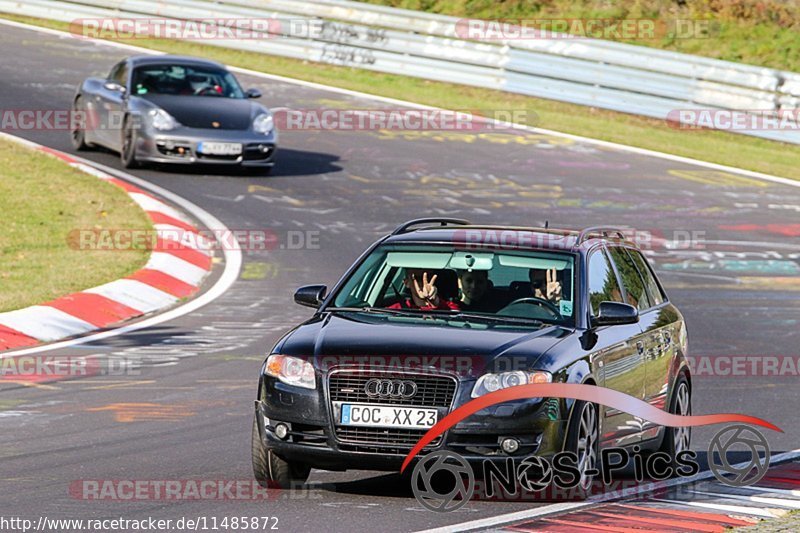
[(161, 120), (493, 382), (291, 370), (263, 123)]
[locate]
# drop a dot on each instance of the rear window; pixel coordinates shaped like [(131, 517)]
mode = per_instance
[(635, 292), (653, 290)]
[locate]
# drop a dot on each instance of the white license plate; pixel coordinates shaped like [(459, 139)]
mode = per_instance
[(388, 416), (219, 148)]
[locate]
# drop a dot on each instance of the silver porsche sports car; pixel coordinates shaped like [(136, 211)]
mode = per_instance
[(173, 109)]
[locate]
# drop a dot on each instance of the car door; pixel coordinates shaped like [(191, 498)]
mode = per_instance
[(648, 341), (660, 323), (616, 352), (109, 106)]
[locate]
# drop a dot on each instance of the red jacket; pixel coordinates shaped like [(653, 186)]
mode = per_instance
[(409, 304)]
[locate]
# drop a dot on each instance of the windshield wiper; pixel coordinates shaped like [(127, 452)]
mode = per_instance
[(501, 318), (443, 312)]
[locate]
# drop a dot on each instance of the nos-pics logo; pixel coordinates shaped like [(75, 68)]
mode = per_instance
[(444, 481)]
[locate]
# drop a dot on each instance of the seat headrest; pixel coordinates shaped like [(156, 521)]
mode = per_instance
[(447, 284)]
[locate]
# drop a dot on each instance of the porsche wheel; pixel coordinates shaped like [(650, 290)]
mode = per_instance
[(80, 123), (128, 151)]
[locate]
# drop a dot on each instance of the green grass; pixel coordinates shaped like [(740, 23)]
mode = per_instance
[(714, 146), (758, 32), (42, 200)]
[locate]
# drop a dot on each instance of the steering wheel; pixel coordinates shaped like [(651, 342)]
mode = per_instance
[(210, 90), (544, 304)]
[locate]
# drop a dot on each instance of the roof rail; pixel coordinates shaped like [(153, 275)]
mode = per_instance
[(403, 228), (604, 231)]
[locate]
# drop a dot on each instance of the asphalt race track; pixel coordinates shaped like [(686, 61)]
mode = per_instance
[(187, 414)]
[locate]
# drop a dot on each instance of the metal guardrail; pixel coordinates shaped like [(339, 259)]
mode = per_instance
[(604, 74)]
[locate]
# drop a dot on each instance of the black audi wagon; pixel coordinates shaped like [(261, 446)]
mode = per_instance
[(440, 312)]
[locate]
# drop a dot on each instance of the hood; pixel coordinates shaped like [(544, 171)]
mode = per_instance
[(401, 342), (203, 111)]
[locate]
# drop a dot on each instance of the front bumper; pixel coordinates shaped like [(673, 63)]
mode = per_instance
[(179, 146), (539, 426)]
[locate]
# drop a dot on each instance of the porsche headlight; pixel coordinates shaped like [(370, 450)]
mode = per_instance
[(161, 120), (263, 123), (291, 370), (493, 382)]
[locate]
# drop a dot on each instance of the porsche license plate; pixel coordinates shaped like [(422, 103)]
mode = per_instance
[(212, 148)]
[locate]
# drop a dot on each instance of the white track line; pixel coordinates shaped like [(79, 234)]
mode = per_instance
[(406, 103), (775, 502), (733, 509)]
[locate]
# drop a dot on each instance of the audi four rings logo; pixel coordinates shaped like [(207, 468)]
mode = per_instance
[(390, 388)]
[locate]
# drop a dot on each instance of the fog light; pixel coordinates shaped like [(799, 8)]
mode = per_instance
[(509, 445), (281, 430)]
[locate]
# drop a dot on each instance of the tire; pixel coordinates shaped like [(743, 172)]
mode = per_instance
[(127, 152), (583, 440), (270, 470), (78, 134), (677, 440)]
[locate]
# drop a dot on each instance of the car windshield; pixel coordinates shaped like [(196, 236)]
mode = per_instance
[(185, 80), (501, 285)]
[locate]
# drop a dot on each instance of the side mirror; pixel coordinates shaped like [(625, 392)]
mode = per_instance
[(310, 295), (615, 314), (253, 93), (114, 86)]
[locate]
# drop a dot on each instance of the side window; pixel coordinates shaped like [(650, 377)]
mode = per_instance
[(653, 290), (119, 73), (603, 286), (631, 279)]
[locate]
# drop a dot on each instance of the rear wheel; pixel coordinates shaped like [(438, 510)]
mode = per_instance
[(677, 440), (270, 470), (80, 123)]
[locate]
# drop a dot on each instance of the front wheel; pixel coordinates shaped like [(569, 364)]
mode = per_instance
[(270, 470), (583, 441), (128, 150)]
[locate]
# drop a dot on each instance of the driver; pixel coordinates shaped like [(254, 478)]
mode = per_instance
[(545, 284), (424, 294)]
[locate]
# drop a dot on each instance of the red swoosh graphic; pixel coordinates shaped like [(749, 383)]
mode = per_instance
[(588, 393)]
